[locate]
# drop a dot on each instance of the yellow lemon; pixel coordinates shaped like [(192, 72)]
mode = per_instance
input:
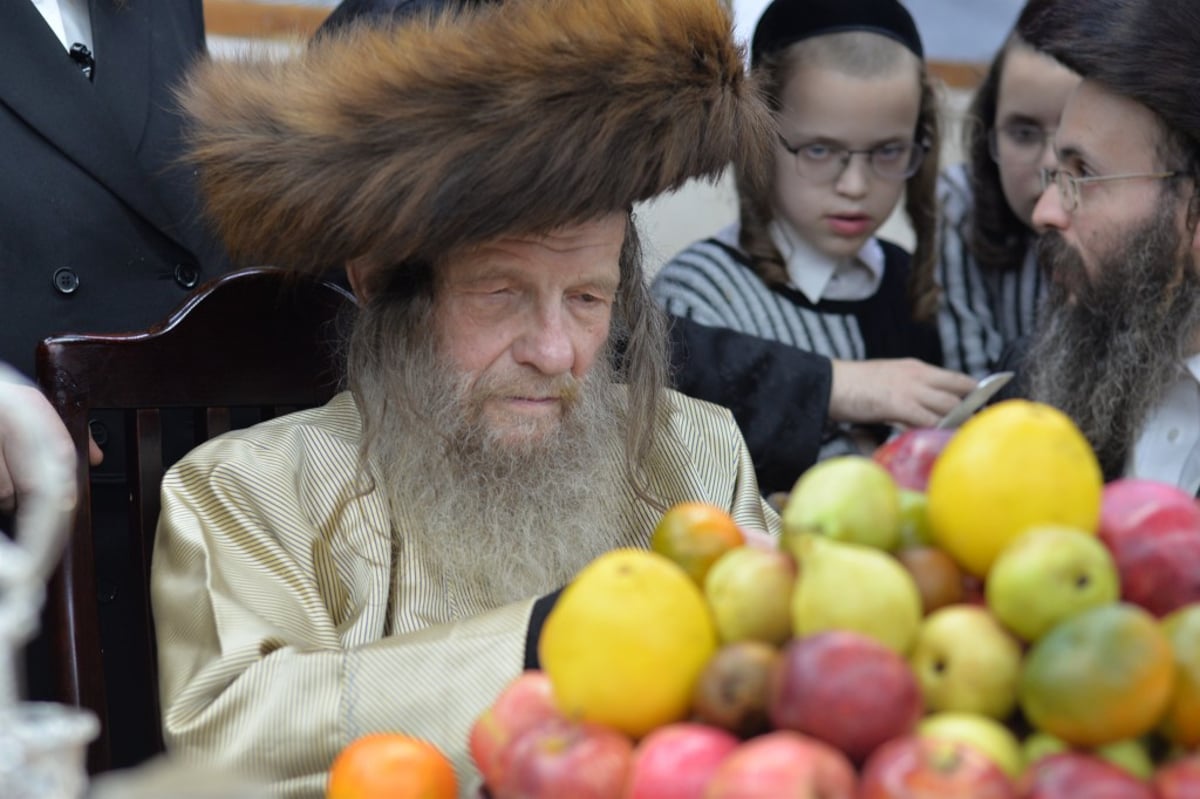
[(1012, 466), (626, 642)]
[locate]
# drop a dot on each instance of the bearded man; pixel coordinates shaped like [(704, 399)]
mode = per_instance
[(1118, 346), (384, 562)]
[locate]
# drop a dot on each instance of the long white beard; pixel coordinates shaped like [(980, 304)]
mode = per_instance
[(497, 517)]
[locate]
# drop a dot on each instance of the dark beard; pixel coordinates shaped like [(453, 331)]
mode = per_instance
[(1106, 357)]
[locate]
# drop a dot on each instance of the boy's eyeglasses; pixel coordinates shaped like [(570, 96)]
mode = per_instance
[(825, 163), (1070, 193), (1018, 143)]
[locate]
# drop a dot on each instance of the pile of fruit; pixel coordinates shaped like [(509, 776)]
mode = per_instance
[(967, 615)]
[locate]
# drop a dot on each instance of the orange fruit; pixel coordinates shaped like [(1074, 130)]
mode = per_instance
[(1099, 677), (1010, 467), (694, 535), (391, 766)]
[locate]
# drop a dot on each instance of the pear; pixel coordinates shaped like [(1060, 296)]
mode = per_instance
[(855, 588), (850, 499)]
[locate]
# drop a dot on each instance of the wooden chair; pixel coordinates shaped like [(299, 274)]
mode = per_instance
[(257, 342)]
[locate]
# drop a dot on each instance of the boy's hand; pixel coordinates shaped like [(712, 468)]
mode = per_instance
[(903, 391)]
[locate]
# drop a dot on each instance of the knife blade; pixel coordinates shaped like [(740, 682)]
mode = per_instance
[(978, 397)]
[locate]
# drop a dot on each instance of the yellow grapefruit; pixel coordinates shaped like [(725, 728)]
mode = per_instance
[(1013, 465), (626, 642)]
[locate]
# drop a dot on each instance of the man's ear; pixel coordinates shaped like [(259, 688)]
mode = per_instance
[(357, 271)]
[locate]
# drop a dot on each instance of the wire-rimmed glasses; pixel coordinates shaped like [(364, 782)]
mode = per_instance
[(824, 162), (1068, 185)]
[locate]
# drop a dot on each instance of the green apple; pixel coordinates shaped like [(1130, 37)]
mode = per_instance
[(1130, 755), (850, 499), (1181, 723), (1047, 575), (914, 519), (749, 592), (966, 662), (986, 735), (1042, 744)]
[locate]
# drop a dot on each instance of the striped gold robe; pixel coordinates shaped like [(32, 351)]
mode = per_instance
[(289, 622)]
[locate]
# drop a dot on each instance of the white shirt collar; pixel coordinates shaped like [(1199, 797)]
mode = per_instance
[(820, 277), (1168, 447), (69, 19)]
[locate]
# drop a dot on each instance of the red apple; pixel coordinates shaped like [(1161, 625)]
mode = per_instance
[(909, 456), (924, 768), (1073, 775), (558, 758), (525, 702), (939, 579), (845, 689), (1179, 780), (1153, 532), (783, 763), (677, 761)]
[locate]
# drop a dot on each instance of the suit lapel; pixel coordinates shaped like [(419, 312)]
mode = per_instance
[(40, 84), (123, 42)]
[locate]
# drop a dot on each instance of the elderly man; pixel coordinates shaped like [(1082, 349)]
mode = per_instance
[(385, 562), (1119, 344)]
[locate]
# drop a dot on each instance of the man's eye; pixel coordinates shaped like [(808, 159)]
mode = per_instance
[(816, 152), (1074, 171)]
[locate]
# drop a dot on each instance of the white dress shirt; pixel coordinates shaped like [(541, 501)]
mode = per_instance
[(1168, 448), (818, 276), (70, 21)]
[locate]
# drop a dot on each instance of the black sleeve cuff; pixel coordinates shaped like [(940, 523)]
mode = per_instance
[(541, 609)]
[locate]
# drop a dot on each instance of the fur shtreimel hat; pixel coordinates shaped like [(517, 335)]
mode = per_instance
[(1143, 49), (406, 143)]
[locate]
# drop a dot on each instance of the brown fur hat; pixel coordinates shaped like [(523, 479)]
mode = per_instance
[(406, 143)]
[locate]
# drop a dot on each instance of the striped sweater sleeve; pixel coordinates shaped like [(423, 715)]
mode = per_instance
[(705, 284), (971, 339)]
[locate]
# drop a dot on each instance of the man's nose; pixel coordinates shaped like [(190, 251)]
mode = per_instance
[(545, 343), (1048, 212)]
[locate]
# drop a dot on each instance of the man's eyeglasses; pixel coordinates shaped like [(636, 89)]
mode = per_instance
[(824, 162), (1070, 193), (1018, 143)]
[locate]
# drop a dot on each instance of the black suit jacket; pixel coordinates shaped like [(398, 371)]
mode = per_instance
[(100, 229)]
